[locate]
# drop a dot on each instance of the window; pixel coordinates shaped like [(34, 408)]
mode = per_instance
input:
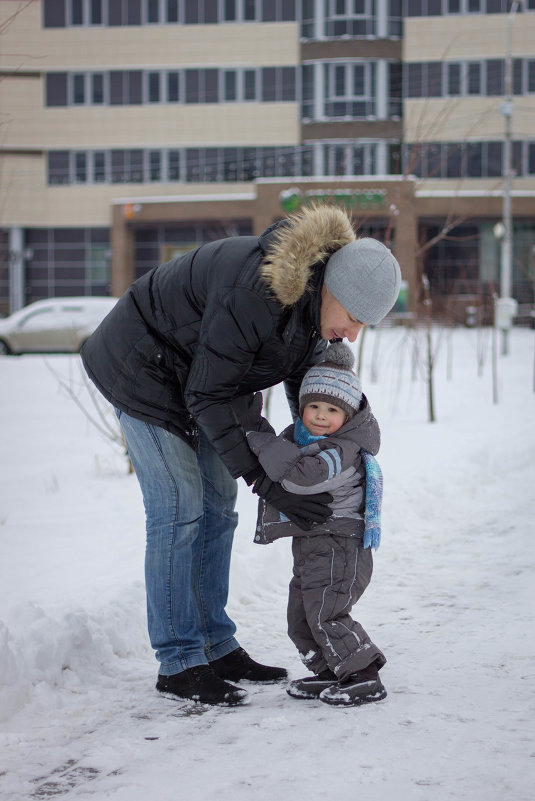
[(153, 11), (99, 167), (229, 10), (415, 85), (171, 10), (211, 93), (433, 153), (434, 79), (453, 80), (474, 78), (349, 89), (173, 165), (474, 159), (249, 10), (194, 164), (54, 14), (78, 89), (124, 12), (288, 87), (127, 166), (453, 157), (531, 158), (249, 80), (347, 159), (155, 165), (494, 159), (62, 13), (80, 168), (173, 87), (56, 89), (395, 89), (76, 12), (495, 77), (531, 75), (58, 167), (269, 84), (154, 87), (95, 12), (518, 83), (125, 87), (230, 87), (349, 18), (307, 91), (395, 18), (97, 88)]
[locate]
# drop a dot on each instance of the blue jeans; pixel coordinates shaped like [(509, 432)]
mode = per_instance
[(189, 500)]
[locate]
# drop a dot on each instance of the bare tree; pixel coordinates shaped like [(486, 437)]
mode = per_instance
[(94, 407)]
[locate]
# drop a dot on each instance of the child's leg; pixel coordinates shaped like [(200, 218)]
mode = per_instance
[(334, 573), (298, 629)]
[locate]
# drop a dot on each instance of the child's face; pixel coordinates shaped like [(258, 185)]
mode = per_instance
[(322, 419)]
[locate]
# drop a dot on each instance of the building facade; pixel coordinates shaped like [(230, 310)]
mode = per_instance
[(133, 130)]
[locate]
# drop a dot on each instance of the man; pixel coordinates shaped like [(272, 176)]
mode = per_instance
[(180, 357)]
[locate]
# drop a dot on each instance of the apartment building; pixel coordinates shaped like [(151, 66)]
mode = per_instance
[(133, 130)]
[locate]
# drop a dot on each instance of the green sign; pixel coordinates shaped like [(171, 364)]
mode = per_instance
[(362, 199)]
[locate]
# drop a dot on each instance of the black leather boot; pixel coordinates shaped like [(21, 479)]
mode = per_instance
[(238, 665), (202, 685), (311, 686)]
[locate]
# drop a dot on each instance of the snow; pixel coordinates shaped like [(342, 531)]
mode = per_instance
[(450, 604)]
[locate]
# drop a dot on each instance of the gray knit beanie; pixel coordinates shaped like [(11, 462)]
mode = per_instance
[(333, 381), (365, 278)]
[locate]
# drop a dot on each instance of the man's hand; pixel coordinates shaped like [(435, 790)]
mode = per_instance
[(303, 510)]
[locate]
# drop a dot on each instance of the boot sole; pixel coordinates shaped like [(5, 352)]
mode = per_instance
[(308, 691), (250, 680), (202, 701), (354, 695)]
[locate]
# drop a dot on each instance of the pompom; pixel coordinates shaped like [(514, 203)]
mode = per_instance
[(340, 354)]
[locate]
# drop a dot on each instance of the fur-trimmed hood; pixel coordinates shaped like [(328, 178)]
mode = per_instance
[(306, 238)]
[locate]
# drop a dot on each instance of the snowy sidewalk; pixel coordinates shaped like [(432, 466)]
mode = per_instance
[(451, 604)]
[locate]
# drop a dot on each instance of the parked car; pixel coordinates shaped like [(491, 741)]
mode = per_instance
[(56, 325)]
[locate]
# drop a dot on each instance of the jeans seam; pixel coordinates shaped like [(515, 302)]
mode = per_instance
[(168, 589)]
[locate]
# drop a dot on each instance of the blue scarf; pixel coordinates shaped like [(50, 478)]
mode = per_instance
[(374, 486), (374, 497), (302, 435)]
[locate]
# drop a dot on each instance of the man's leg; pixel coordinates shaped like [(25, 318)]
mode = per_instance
[(211, 575), (211, 567), (170, 480)]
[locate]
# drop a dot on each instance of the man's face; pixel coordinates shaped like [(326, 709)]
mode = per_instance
[(335, 321)]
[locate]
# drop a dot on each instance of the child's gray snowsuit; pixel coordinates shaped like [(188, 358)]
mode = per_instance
[(331, 567)]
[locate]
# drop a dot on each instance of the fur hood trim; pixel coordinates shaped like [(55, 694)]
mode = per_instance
[(308, 237)]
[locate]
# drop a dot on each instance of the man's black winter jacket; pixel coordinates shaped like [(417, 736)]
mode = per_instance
[(189, 342)]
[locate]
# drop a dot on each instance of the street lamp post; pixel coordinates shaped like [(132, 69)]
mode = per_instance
[(506, 307)]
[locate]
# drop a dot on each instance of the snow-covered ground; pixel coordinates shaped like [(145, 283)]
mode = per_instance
[(451, 604)]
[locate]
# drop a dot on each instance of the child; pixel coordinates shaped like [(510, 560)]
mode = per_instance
[(329, 449)]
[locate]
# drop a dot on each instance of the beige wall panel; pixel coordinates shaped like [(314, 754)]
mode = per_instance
[(462, 37), (28, 46), (21, 109), (28, 125), (22, 180), (455, 119), (26, 200), (483, 186)]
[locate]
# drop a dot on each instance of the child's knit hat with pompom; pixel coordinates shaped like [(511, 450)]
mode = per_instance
[(333, 381)]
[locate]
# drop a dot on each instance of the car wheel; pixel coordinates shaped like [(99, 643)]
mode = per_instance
[(4, 348)]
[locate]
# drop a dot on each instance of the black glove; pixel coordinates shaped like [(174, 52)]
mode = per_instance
[(303, 510)]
